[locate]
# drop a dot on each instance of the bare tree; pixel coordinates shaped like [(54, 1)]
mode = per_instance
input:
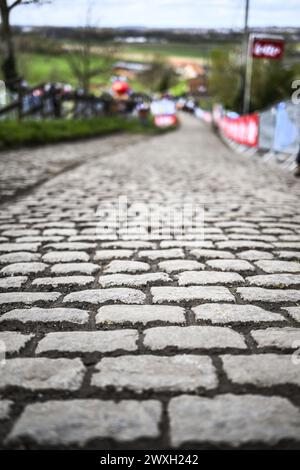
[(9, 66), (82, 58)]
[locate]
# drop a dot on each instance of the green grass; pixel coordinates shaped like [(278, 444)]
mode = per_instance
[(27, 133), (39, 68)]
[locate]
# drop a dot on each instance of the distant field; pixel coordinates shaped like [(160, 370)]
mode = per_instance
[(195, 51), (38, 68)]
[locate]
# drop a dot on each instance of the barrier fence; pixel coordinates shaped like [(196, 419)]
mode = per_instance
[(276, 129), (50, 101)]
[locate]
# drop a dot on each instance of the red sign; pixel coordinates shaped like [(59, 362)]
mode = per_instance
[(264, 48), (165, 120), (243, 130)]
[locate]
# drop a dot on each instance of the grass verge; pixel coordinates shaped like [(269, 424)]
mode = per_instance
[(15, 134)]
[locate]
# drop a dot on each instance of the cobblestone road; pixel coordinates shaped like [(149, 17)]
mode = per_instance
[(158, 342)]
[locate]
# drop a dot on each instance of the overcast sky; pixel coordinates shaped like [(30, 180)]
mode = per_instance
[(161, 13)]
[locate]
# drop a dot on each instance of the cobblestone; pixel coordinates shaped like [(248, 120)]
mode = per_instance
[(13, 282), (139, 373), (126, 267), (42, 374), (88, 365), (133, 280), (227, 313), (294, 312), (262, 370), (230, 265), (104, 255), (274, 280), (101, 296), (13, 342), (253, 255), (193, 337), (88, 341), (78, 421), (257, 294), (71, 268), (11, 247), (181, 294), (119, 314), (19, 256), (180, 265), (28, 298), (278, 266), (23, 268), (46, 315), (161, 254), (212, 254), (190, 278), (65, 257), (79, 281), (281, 338), (245, 419)]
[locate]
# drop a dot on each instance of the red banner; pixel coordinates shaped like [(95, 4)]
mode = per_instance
[(165, 120), (264, 48), (243, 130)]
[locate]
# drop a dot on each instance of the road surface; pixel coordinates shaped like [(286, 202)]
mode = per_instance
[(116, 331)]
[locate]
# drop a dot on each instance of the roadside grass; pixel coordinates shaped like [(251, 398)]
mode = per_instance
[(14, 134)]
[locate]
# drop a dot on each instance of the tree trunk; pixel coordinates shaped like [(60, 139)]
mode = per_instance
[(9, 63)]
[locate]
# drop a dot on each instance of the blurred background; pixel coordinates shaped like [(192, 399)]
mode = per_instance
[(66, 59)]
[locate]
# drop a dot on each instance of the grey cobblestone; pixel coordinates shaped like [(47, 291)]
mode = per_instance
[(79, 281), (119, 314), (294, 312), (65, 257), (88, 341), (71, 268), (19, 257), (244, 419), (278, 266), (42, 374), (13, 282), (101, 296), (28, 298), (104, 255), (174, 266), (262, 370), (193, 337), (139, 373), (13, 341), (46, 315), (230, 265), (161, 254), (290, 255), (281, 338), (119, 266), (258, 294), (251, 229), (181, 294), (212, 254), (133, 280), (274, 280), (78, 421), (23, 268), (253, 255), (11, 247), (190, 278), (227, 313)]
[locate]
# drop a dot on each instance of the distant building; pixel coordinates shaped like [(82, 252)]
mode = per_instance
[(130, 69)]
